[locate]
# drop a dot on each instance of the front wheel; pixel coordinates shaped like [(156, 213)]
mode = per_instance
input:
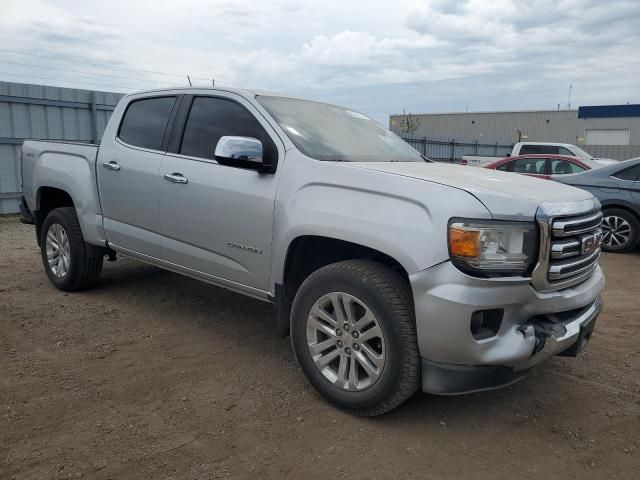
[(621, 230), (69, 262), (354, 335)]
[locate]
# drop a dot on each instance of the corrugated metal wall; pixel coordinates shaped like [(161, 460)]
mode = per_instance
[(42, 112), (538, 126), (619, 152), (501, 127)]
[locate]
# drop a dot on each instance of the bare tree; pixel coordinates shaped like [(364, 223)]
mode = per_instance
[(409, 124)]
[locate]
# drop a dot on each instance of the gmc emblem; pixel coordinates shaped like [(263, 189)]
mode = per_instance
[(590, 243)]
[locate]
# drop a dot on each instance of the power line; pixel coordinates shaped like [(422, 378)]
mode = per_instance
[(67, 81), (98, 64), (86, 73)]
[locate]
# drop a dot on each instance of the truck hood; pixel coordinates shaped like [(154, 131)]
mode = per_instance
[(508, 196)]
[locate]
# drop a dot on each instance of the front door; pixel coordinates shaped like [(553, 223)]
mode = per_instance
[(216, 219), (128, 177)]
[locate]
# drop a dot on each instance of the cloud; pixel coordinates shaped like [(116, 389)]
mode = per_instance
[(377, 56)]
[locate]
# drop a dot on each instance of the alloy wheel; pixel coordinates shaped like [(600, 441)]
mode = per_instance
[(345, 341), (58, 250), (616, 231)]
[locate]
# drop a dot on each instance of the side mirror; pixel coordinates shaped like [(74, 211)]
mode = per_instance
[(240, 152)]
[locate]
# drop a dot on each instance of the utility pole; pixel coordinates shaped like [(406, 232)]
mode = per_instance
[(569, 103)]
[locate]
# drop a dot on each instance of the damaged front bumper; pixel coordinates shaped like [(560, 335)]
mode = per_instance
[(524, 327)]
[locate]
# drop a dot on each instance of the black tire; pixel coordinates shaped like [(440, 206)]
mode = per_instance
[(634, 230), (388, 296), (85, 263)]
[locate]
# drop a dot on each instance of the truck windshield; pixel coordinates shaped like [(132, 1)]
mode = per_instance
[(331, 133)]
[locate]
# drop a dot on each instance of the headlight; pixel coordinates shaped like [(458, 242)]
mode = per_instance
[(492, 248)]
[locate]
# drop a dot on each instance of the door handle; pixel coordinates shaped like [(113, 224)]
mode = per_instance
[(112, 165), (176, 178)]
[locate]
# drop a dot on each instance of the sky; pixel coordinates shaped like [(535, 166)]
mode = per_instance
[(378, 57)]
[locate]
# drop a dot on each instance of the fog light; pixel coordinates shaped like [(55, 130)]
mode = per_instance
[(486, 323)]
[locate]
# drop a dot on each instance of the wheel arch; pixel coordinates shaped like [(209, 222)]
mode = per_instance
[(47, 199), (621, 205), (308, 253)]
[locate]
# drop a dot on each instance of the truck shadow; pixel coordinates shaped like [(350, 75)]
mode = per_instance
[(208, 305), (250, 325)]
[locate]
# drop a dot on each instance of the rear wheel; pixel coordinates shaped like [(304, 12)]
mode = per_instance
[(70, 263), (353, 333), (621, 230)]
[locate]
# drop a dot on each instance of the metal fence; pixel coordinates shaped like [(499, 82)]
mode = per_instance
[(452, 150), (47, 113)]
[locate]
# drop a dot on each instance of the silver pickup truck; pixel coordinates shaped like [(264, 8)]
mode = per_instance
[(391, 273)]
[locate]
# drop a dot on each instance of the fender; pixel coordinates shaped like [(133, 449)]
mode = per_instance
[(622, 204), (395, 215), (72, 171)]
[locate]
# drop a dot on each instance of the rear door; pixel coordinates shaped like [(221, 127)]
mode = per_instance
[(128, 176), (217, 220)]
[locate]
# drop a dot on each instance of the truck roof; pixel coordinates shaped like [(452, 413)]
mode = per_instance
[(555, 144), (245, 92)]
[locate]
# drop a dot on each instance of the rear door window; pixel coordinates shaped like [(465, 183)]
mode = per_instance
[(145, 121), (632, 173)]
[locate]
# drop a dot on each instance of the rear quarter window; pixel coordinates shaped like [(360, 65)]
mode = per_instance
[(562, 167), (145, 121), (631, 173)]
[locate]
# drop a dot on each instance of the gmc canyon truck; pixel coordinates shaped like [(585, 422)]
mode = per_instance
[(391, 273)]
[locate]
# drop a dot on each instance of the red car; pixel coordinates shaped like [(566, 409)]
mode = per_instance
[(541, 166)]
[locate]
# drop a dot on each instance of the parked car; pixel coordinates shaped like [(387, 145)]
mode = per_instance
[(541, 166), (618, 189), (541, 148), (390, 272)]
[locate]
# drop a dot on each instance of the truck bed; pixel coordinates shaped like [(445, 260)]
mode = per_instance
[(69, 167)]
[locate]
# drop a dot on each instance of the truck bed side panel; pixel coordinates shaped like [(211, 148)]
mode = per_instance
[(69, 167)]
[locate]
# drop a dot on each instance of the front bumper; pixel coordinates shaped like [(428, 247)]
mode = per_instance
[(534, 326)]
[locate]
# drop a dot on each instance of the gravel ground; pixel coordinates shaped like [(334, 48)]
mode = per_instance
[(153, 375)]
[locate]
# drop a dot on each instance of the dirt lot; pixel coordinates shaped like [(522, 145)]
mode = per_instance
[(153, 375)]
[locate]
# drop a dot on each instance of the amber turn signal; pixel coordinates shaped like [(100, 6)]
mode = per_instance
[(463, 243)]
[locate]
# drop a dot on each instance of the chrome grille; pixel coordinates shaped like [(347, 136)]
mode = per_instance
[(569, 249), (568, 237), (564, 227)]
